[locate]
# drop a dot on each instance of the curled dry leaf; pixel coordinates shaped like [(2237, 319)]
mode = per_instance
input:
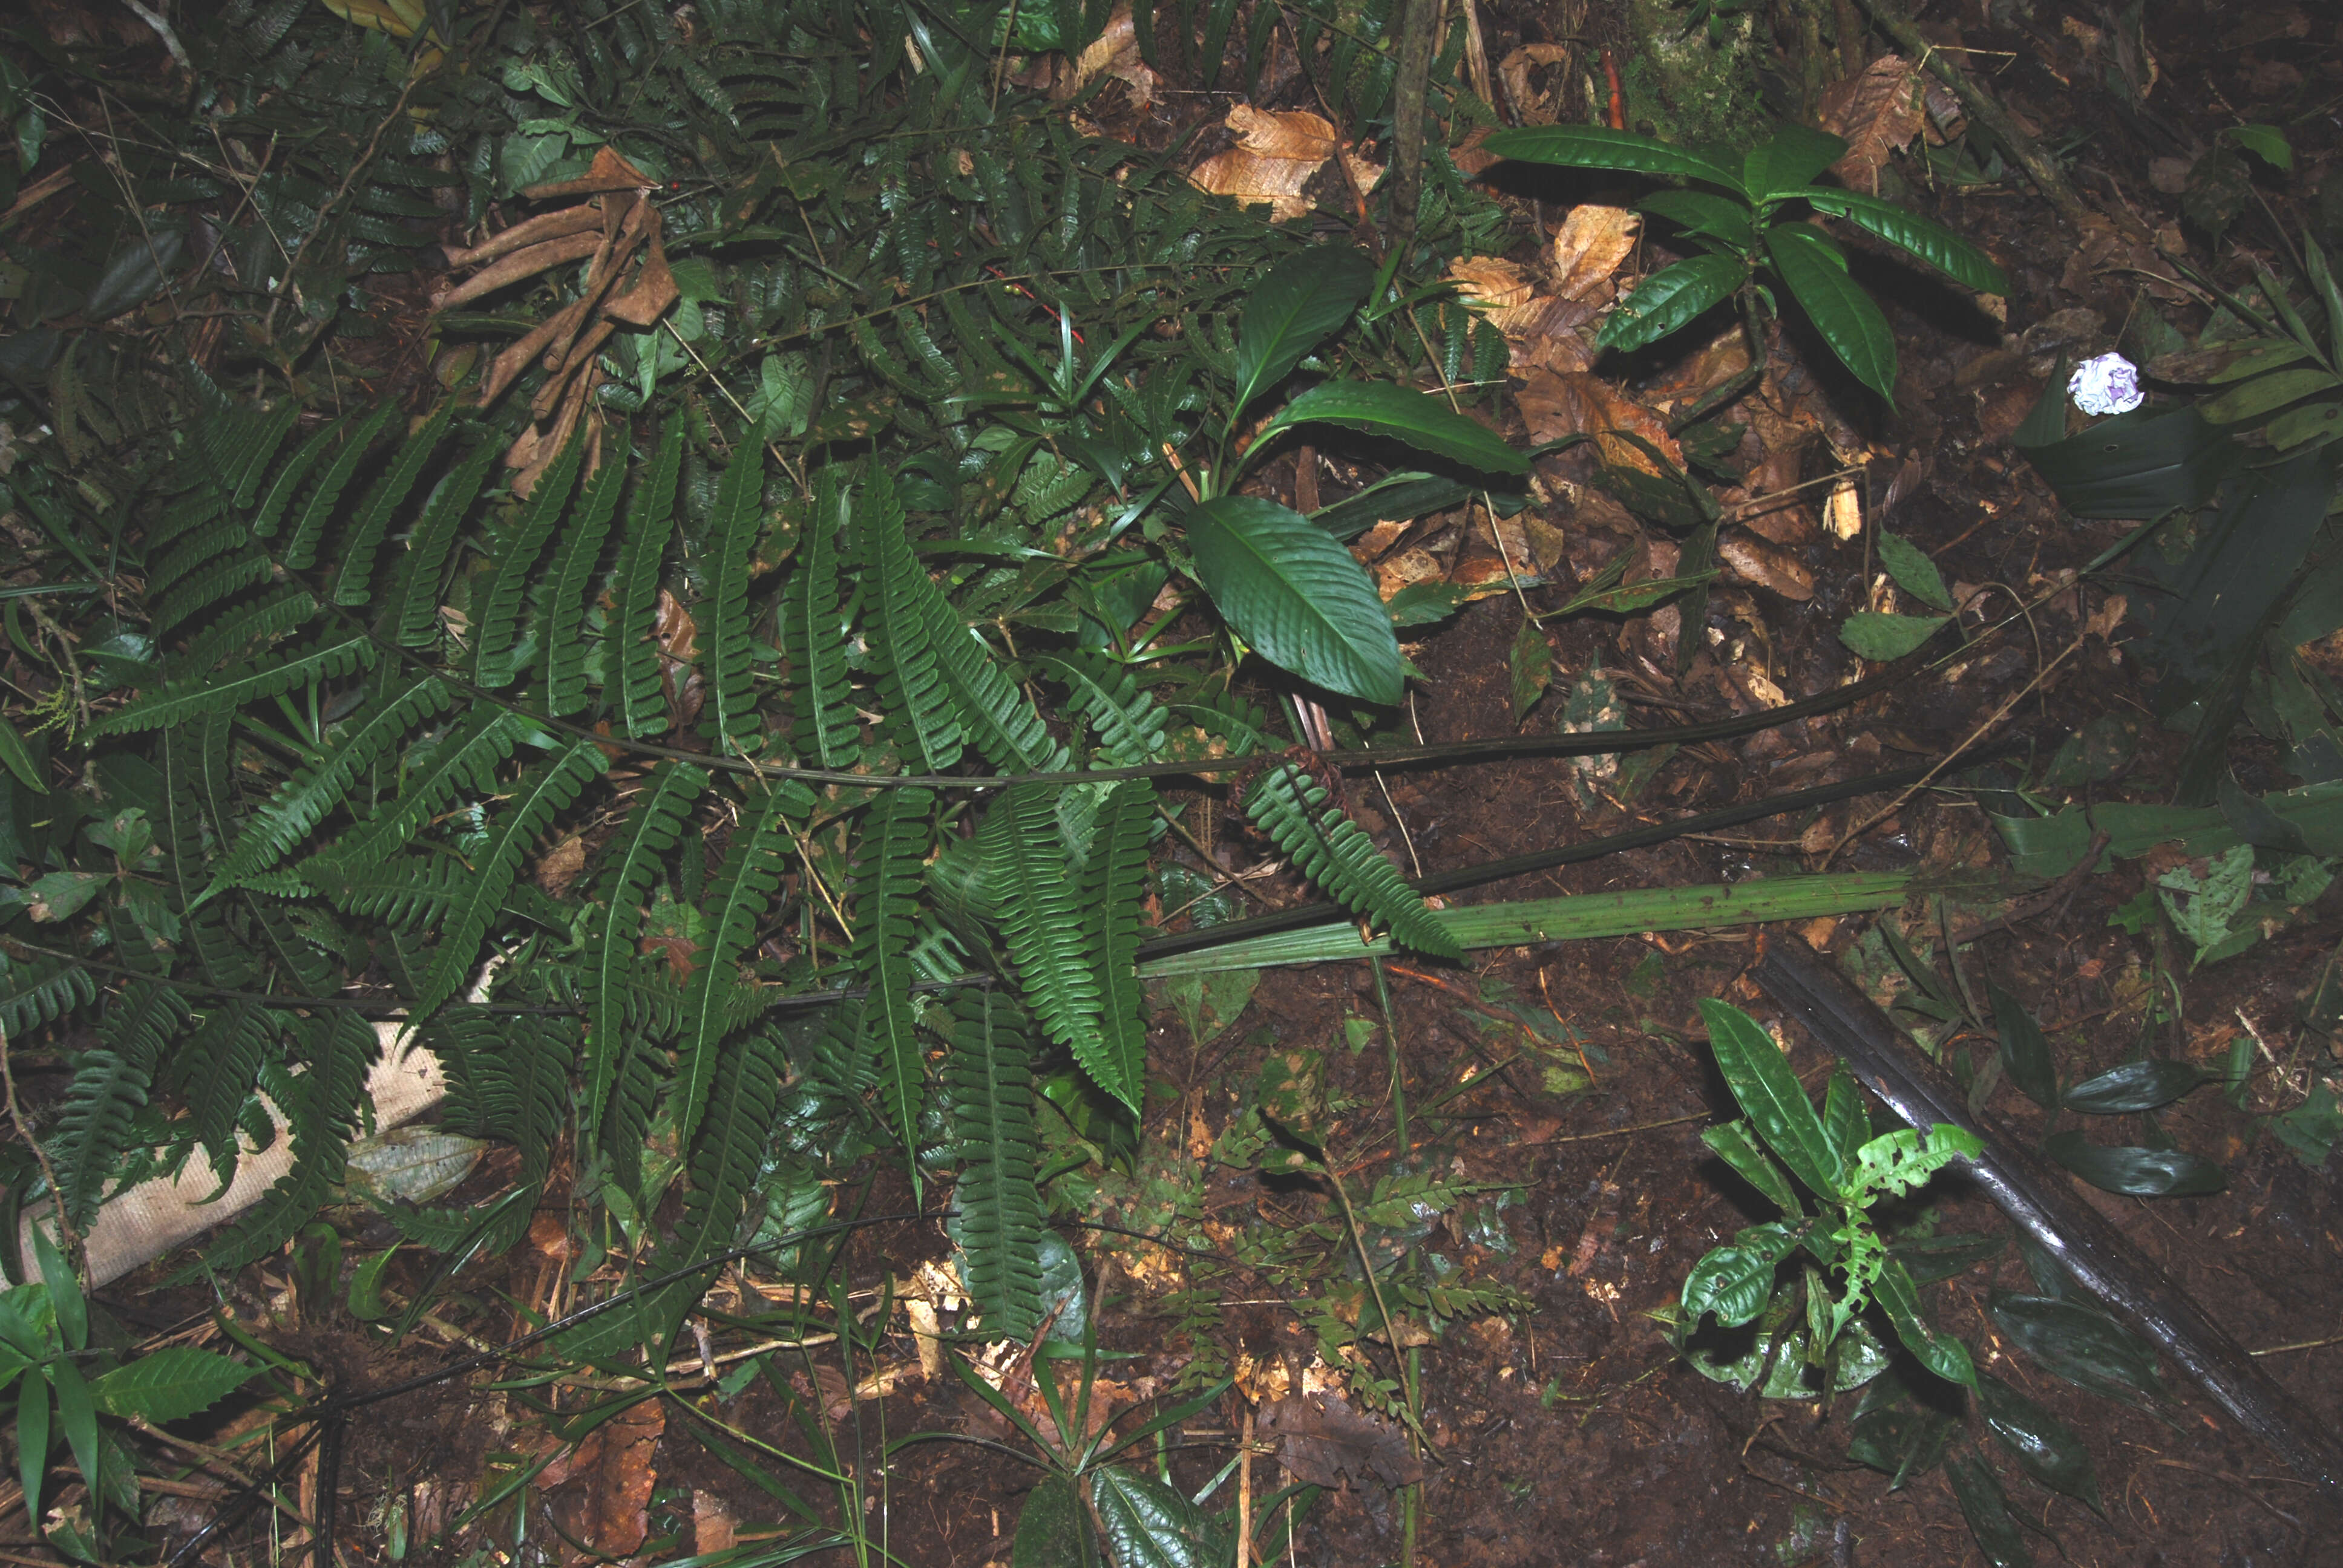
[(1275, 156), (1115, 53), (1324, 1440), (1878, 113), (1487, 281), (1753, 560), (1555, 404), (599, 1491), (1591, 245), (1842, 509), (1529, 105)]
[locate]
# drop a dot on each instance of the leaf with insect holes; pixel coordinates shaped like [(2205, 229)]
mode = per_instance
[(1913, 572)]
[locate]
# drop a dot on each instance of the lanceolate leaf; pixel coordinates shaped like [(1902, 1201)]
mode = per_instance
[(497, 623), (323, 503), (752, 870), (896, 592), (1301, 303), (2043, 1445), (813, 633), (1039, 905), (1000, 1227), (1761, 1079), (563, 656), (642, 848), (2024, 1051), (887, 861), (2135, 1172), (1788, 160), (1815, 271), (1672, 298), (180, 702), (2137, 1086), (1939, 246), (1297, 596), (1332, 852), (465, 758), (1697, 212), (633, 659), (1940, 1353), (169, 1385), (354, 559), (1599, 147), (1419, 419), (1112, 884), (730, 718), (434, 537)]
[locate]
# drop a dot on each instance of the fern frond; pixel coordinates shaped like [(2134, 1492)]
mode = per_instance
[(418, 894), (729, 1151), (193, 550), (180, 832), (286, 482), (37, 991), (496, 621), (1113, 882), (1335, 852), (535, 801), (632, 667), (264, 620), (354, 570), (465, 760), (239, 448), (416, 623), (911, 686), (991, 1080), (1036, 900), (179, 701), (109, 1084), (216, 1071), (303, 801), (324, 502), (813, 632), (1128, 722), (731, 720), (642, 846), (514, 1081), (888, 858), (214, 585), (752, 870), (574, 560), (320, 1107)]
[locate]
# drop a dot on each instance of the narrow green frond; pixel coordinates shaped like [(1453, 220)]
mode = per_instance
[(421, 894), (180, 833), (729, 717), (888, 860), (285, 483), (217, 1069), (109, 1084), (728, 1154), (635, 856), (631, 670), (1114, 881), (354, 565), (752, 870), (1128, 720), (264, 620), (179, 701), (542, 794), (465, 760), (193, 550), (241, 447), (991, 1080), (1037, 899), (911, 686), (305, 799), (39, 991), (564, 616), (1335, 852), (416, 624), (211, 587), (320, 1107), (496, 620), (813, 632), (324, 502)]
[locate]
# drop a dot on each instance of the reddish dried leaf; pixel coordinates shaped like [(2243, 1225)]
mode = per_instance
[(1325, 1440), (600, 1490), (1556, 404), (1592, 243), (1878, 113), (1753, 560)]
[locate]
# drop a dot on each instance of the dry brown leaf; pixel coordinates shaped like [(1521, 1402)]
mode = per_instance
[(1325, 1440), (1115, 53), (1878, 113), (1842, 509), (1755, 561), (1529, 105), (1276, 154), (1406, 568), (561, 865), (713, 1529), (1590, 247), (1486, 280), (600, 1490), (1556, 404), (1469, 156), (1287, 134), (608, 172), (1250, 178)]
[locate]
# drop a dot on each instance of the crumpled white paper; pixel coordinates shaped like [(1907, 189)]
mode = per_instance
[(2107, 385)]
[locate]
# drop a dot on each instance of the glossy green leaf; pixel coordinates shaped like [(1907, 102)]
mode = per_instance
[(2025, 1051), (2079, 1343), (2138, 464), (1734, 1143), (1897, 1435), (1736, 1281), (33, 1439), (18, 759), (1050, 1528), (2320, 422), (1913, 572), (64, 1291), (1671, 298), (1987, 1508), (171, 1384), (2260, 353), (1149, 1525), (2137, 1086), (1939, 1353), (1786, 163), (1761, 1079), (1883, 638), (1421, 419), (2264, 395), (2135, 1172), (1846, 1122), (1937, 246), (1929, 1259), (77, 1416), (1697, 212), (1297, 596), (2044, 1447), (1302, 301), (2267, 143), (1816, 270), (1599, 147)]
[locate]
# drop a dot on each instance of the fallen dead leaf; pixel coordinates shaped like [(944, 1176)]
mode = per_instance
[(1591, 245), (1842, 509), (712, 1526), (560, 866), (1555, 404), (1405, 568), (1755, 561), (1276, 154), (1531, 106), (1878, 113), (598, 1490), (1486, 280), (1325, 1441), (1115, 53)]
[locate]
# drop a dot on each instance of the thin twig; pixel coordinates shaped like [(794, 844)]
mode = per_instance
[(24, 1130)]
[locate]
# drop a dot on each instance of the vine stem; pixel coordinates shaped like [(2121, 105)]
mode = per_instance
[(24, 1126)]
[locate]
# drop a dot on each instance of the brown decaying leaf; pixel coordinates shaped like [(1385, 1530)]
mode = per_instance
[(1489, 281), (561, 865), (1532, 106), (1555, 404), (1276, 154), (1755, 561), (1878, 113), (600, 1489), (713, 1529), (1324, 1440), (1115, 53), (1592, 243)]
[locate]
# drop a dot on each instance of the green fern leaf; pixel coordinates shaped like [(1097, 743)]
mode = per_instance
[(193, 550), (731, 720), (641, 706), (421, 894), (729, 1152), (239, 448), (1038, 902), (179, 701), (287, 483), (465, 760), (216, 1071), (353, 571), (496, 625), (887, 859), (992, 1085), (320, 1108), (323, 503), (574, 560), (1335, 852), (1130, 723), (209, 589), (1114, 883), (224, 959), (38, 991), (635, 856), (109, 1084), (752, 870), (265, 619), (540, 795), (813, 632), (303, 801), (417, 621), (911, 686)]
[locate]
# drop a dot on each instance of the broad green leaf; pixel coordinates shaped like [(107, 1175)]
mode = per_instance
[(1816, 270), (1761, 1079), (1898, 1162), (1303, 301), (1929, 1259), (2267, 143), (2135, 1172), (19, 759), (2137, 1086), (2319, 422), (2025, 1051), (77, 1415), (1883, 638), (2044, 1447), (1786, 163), (1532, 662), (1845, 1122), (64, 1291), (2079, 1343), (1736, 1281), (1149, 1525), (2252, 400), (1599, 147), (170, 1384), (1697, 212), (1937, 246), (1670, 298), (1940, 1353), (1987, 1508), (1896, 1436), (1913, 572), (1733, 1144), (1050, 1528), (32, 1438), (1297, 596), (2142, 464), (1421, 419), (2260, 353)]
